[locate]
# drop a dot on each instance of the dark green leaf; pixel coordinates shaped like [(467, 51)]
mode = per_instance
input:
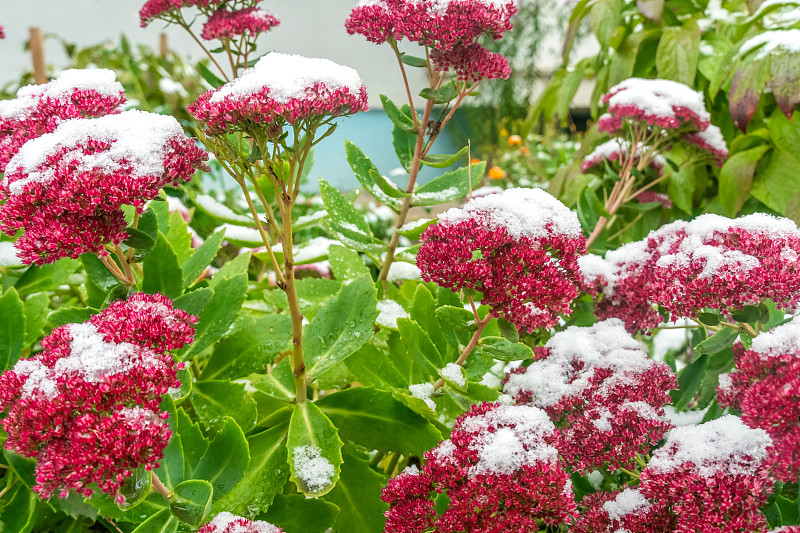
[(717, 342), (172, 469), (162, 270), (387, 187), (736, 177), (178, 237), (46, 277), (193, 441), (136, 488), (192, 501), (161, 522), (440, 96), (709, 319), (358, 496), (508, 330), (214, 401), (689, 381), (36, 309), (504, 349), (12, 328), (295, 512), (681, 189), (265, 477), (195, 301), (219, 314), (139, 239), (279, 383), (749, 313), (313, 441), (365, 171), (376, 420), (346, 223), (212, 79), (341, 327), (404, 142), (457, 317), (19, 510), (418, 344), (226, 459), (253, 345), (413, 61), (777, 184)]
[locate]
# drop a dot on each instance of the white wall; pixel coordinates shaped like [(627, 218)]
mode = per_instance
[(309, 27)]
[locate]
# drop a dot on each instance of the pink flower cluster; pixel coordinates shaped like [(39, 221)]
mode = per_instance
[(519, 248), (226, 522), (499, 469), (39, 109), (710, 262), (618, 150), (224, 24), (281, 89), (66, 188), (664, 104), (86, 407), (765, 387), (604, 394), (449, 27), (709, 478), (162, 9)]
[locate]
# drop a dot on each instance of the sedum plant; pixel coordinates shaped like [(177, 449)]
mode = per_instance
[(178, 361)]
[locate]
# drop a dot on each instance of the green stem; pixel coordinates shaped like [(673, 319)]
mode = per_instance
[(159, 487), (473, 342)]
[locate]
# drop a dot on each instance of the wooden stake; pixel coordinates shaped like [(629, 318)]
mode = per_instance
[(162, 45), (37, 56)]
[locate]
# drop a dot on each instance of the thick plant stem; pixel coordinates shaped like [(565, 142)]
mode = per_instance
[(159, 487), (412, 180), (297, 360), (473, 342)]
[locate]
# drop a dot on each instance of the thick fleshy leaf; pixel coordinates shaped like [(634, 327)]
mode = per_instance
[(404, 142), (366, 172), (171, 470), (346, 263), (376, 420), (36, 308), (219, 313), (418, 343), (200, 259), (341, 327), (346, 223), (162, 270), (278, 383), (46, 277), (776, 184), (215, 400), (12, 328), (374, 368), (315, 450), (736, 177), (312, 293), (19, 509), (681, 188), (747, 85), (444, 160), (161, 522), (689, 381), (456, 317), (503, 349), (266, 474), (193, 442), (453, 185), (358, 496), (226, 459), (192, 501), (253, 345), (178, 236), (678, 52), (399, 117), (195, 301), (295, 512)]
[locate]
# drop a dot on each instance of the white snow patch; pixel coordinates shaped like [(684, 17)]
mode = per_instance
[(311, 467), (452, 372), (389, 312)]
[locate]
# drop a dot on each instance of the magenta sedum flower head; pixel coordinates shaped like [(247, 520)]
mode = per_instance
[(281, 89), (500, 470), (102, 377), (165, 9), (625, 510), (765, 387), (518, 247), (685, 267), (449, 27), (66, 188), (709, 141), (39, 109), (662, 103), (617, 150), (224, 24), (602, 391), (712, 476), (226, 522)]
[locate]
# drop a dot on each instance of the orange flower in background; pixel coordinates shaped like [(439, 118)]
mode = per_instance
[(524, 150), (496, 173), (474, 160), (515, 140)]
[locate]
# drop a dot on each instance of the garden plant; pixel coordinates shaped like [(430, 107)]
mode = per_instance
[(617, 353)]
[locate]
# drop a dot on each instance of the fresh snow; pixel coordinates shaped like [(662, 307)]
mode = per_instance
[(772, 42), (311, 468), (389, 312), (658, 97), (452, 372), (288, 77)]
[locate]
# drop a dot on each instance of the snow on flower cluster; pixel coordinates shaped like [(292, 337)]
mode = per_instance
[(685, 267), (66, 188), (500, 470), (618, 150), (519, 248), (39, 109), (709, 477), (664, 104), (279, 89), (226, 522), (602, 391), (765, 387), (450, 28), (86, 407)]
